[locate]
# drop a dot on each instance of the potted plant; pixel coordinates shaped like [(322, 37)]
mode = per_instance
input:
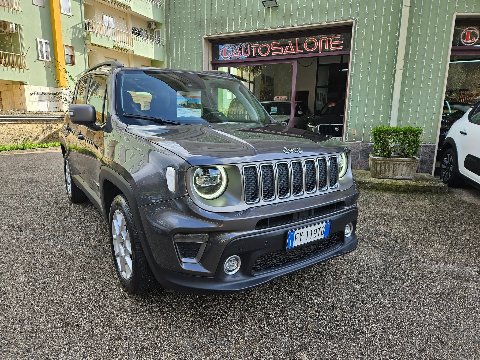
[(395, 152)]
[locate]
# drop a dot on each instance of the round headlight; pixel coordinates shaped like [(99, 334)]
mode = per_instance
[(342, 164), (210, 182)]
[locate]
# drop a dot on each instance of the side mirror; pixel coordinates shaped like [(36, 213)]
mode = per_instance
[(82, 114)]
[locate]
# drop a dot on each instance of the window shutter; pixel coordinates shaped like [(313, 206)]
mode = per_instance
[(39, 49)]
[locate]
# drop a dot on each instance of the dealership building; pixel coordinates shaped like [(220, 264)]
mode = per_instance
[(363, 63)]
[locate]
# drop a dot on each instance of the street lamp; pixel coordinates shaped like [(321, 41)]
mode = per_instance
[(269, 3)]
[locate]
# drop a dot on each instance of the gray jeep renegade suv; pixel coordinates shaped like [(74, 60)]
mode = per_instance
[(201, 189)]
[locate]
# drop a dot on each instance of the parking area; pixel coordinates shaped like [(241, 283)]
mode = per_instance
[(411, 289)]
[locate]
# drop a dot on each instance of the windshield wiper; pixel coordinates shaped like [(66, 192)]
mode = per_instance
[(152, 118)]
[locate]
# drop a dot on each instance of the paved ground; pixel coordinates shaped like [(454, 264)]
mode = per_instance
[(411, 290)]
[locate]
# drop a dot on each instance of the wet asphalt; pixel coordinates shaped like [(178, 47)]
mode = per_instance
[(410, 290)]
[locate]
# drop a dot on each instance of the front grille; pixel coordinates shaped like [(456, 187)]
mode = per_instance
[(280, 258), (286, 179), (297, 178), (268, 182), (299, 216), (333, 171), (250, 179)]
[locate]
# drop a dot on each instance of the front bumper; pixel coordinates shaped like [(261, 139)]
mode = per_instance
[(260, 244)]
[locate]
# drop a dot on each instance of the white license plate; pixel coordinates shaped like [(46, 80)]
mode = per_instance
[(308, 234)]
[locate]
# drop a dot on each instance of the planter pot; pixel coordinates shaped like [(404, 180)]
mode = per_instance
[(393, 168)]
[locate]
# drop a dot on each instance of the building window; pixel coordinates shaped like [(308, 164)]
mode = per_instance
[(43, 49), (108, 25), (108, 22), (39, 2), (69, 55), (66, 7)]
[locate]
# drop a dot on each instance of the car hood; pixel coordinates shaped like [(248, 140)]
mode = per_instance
[(229, 143)]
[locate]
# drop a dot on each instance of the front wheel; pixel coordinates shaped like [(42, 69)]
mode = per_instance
[(128, 257), (74, 193), (449, 168)]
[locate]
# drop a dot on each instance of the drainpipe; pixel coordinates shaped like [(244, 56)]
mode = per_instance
[(82, 18), (58, 51), (402, 44)]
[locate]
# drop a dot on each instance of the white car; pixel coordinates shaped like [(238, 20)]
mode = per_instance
[(461, 152)]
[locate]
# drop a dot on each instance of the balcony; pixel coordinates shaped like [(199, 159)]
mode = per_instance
[(11, 4), (12, 60), (148, 48), (138, 41), (152, 9), (108, 37)]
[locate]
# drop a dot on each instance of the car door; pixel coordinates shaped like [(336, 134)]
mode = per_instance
[(94, 134), (469, 152), (73, 135)]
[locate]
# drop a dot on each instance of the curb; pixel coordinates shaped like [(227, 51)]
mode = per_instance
[(30, 151), (422, 183)]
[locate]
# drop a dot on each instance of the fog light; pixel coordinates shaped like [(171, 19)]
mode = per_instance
[(348, 230), (232, 265)]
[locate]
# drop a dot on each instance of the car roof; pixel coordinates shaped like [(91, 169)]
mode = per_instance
[(115, 65)]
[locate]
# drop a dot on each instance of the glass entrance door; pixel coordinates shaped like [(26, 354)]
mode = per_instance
[(273, 84)]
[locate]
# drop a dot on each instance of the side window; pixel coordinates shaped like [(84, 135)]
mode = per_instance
[(474, 116), (96, 96), (81, 90)]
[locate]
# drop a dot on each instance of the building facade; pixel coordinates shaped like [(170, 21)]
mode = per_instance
[(356, 64), (46, 44)]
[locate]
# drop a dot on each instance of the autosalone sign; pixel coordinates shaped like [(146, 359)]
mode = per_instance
[(281, 48)]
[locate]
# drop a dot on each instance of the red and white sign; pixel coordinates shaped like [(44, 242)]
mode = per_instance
[(294, 47), (470, 36)]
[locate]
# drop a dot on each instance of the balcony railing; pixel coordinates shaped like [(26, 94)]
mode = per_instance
[(10, 4), (158, 3), (122, 38), (12, 60), (146, 36)]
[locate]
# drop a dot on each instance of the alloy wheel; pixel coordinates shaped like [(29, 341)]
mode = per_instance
[(68, 178), (447, 167), (122, 246)]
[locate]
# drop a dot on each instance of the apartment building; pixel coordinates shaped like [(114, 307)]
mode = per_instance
[(46, 44), (129, 31)]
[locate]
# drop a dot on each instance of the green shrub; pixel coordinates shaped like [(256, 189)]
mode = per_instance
[(27, 146), (396, 141)]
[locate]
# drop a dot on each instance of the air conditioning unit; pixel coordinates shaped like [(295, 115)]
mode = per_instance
[(152, 25)]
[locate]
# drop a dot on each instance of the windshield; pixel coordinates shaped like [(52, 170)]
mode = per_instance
[(177, 97)]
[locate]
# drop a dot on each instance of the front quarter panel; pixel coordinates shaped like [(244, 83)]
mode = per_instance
[(144, 165)]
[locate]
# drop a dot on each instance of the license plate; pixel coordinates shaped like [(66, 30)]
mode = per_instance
[(308, 234)]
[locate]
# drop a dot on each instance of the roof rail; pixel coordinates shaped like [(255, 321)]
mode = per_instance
[(113, 64)]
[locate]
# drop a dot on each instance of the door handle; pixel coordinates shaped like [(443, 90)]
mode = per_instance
[(463, 132), (80, 136)]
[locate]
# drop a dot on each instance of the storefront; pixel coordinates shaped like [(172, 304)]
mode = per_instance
[(353, 65), (463, 82), (294, 74)]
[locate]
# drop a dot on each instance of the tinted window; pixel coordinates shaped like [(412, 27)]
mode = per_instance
[(184, 97), (96, 96)]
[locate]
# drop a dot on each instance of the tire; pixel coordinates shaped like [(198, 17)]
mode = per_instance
[(74, 193), (128, 257), (449, 168)]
